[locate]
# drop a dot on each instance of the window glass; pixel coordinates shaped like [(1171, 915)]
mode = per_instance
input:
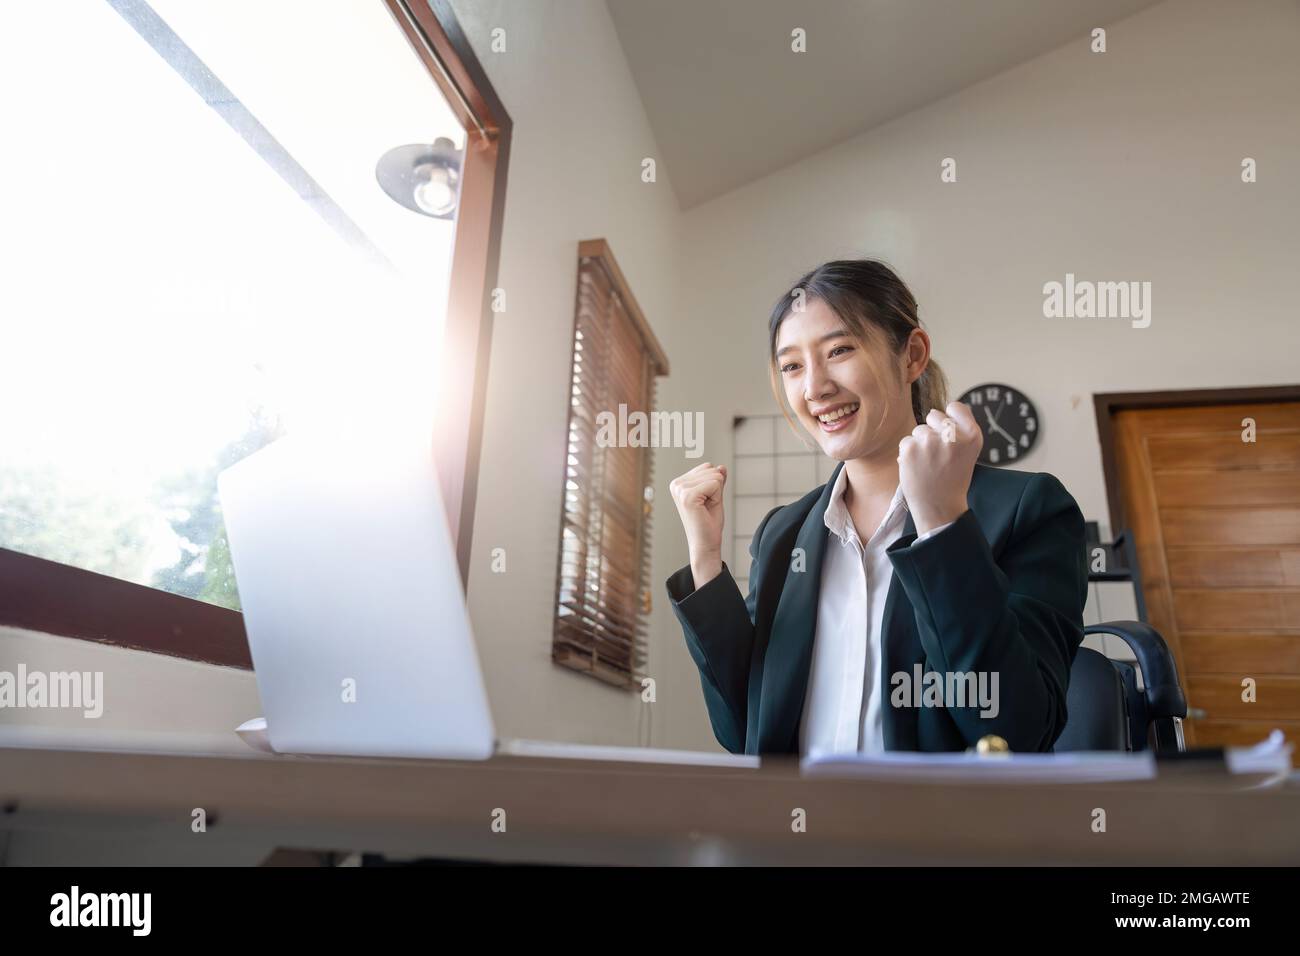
[(199, 258)]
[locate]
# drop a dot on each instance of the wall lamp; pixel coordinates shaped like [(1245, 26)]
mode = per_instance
[(423, 178)]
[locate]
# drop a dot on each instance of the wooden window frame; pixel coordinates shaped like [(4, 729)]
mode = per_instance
[(48, 597), (564, 653)]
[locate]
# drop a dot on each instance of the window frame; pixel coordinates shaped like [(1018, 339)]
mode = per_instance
[(46, 596)]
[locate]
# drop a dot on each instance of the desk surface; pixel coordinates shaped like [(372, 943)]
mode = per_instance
[(583, 811)]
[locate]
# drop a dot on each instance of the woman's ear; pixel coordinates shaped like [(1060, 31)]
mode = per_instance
[(916, 355)]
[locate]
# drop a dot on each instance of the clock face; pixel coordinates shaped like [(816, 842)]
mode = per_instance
[(1007, 418)]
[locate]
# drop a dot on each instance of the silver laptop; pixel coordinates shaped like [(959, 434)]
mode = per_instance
[(352, 602)]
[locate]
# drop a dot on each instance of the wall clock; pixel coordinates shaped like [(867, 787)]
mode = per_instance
[(1008, 420)]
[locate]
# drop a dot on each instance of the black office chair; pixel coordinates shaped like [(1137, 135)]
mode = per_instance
[(1107, 710)]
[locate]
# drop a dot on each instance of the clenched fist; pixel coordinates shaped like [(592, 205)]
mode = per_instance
[(935, 464), (698, 495)]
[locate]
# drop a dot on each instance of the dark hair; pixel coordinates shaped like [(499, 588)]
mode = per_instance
[(878, 308)]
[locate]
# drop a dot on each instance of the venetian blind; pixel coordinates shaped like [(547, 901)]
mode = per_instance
[(603, 590)]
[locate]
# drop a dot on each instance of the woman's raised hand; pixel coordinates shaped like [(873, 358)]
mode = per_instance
[(935, 465), (698, 495)]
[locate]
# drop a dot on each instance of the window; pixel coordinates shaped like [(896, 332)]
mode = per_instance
[(201, 258), (603, 589), (220, 285)]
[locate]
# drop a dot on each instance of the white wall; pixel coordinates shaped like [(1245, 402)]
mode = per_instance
[(1115, 166), (148, 701), (580, 134)]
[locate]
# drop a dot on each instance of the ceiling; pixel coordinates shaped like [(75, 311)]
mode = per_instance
[(729, 102)]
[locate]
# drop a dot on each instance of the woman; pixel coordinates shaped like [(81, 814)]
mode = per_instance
[(918, 600)]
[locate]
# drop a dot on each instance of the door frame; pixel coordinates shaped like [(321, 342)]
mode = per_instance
[(1108, 404)]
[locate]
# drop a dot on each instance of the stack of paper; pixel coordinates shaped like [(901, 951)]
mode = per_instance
[(1272, 757)]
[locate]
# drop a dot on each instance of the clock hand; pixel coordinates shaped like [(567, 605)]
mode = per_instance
[(994, 426)]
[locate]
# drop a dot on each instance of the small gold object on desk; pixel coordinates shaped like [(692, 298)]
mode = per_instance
[(991, 745)]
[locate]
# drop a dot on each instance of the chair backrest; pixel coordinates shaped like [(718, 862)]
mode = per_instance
[(1153, 714), (1097, 702)]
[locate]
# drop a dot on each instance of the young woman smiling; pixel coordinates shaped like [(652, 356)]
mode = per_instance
[(912, 559)]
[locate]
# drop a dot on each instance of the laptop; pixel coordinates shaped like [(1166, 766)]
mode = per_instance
[(351, 595)]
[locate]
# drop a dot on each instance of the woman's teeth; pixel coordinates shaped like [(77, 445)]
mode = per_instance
[(834, 416)]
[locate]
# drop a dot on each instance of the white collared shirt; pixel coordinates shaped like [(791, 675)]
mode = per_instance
[(843, 707)]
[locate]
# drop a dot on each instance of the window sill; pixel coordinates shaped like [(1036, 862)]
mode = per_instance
[(53, 598)]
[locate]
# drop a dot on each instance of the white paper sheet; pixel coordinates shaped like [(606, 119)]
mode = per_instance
[(1272, 756)]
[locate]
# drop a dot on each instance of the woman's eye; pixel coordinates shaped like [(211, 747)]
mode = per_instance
[(841, 348), (787, 368)]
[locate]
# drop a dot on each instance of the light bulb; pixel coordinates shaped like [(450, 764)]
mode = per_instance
[(434, 193)]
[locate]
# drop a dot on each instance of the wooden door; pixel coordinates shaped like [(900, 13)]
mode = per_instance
[(1216, 521)]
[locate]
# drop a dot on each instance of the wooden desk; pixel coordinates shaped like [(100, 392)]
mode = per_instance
[(78, 806)]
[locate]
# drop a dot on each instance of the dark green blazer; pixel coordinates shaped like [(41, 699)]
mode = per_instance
[(1002, 589)]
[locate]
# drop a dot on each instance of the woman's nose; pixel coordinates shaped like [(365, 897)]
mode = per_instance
[(817, 382)]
